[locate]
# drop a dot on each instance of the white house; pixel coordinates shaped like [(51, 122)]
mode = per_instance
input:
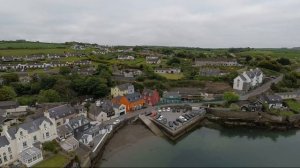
[(248, 80), (19, 142)]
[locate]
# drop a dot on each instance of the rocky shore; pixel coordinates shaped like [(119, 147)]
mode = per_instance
[(254, 119)]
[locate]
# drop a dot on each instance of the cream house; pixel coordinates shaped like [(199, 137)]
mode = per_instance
[(105, 110), (19, 142), (122, 90)]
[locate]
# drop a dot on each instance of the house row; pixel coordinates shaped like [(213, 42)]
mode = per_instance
[(248, 80), (211, 72), (289, 95), (4, 67), (215, 62), (36, 57), (167, 70), (12, 109), (65, 123)]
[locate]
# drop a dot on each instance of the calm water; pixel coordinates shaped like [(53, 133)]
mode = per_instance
[(212, 148)]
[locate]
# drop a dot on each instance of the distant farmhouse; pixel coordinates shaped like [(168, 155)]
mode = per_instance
[(125, 57), (153, 60), (248, 80), (167, 70), (216, 62)]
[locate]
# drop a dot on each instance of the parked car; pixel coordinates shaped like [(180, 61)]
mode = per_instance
[(176, 123), (180, 120), (170, 124), (157, 116), (168, 109)]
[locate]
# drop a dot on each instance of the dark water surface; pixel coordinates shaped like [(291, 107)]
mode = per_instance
[(212, 148)]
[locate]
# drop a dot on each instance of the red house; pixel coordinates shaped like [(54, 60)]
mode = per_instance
[(151, 97)]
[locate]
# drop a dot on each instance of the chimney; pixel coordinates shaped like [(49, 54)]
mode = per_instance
[(79, 121), (67, 121)]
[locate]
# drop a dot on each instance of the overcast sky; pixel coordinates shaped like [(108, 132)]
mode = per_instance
[(194, 23)]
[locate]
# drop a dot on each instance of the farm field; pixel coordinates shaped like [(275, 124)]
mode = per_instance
[(23, 52)]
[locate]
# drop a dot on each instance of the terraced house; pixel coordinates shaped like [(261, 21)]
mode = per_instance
[(122, 90), (134, 101), (22, 142)]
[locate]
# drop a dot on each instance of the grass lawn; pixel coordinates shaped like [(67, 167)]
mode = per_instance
[(56, 161), (293, 105), (173, 76)]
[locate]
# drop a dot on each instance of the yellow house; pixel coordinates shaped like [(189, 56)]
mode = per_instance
[(122, 90)]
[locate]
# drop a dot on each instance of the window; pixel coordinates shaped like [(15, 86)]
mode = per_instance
[(29, 161), (9, 149), (25, 144), (10, 157), (5, 158), (34, 138), (47, 134), (45, 125), (21, 133), (34, 158), (0, 160)]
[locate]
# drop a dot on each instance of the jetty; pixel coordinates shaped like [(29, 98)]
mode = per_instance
[(151, 126)]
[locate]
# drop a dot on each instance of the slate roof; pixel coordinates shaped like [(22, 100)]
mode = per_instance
[(171, 94), (29, 126), (3, 141), (78, 121), (106, 106), (61, 111), (64, 129), (148, 92), (215, 59), (124, 86), (8, 104), (271, 99), (133, 97)]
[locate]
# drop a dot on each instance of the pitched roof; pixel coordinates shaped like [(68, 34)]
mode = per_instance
[(28, 126), (171, 94), (64, 129), (124, 86), (133, 97), (61, 111), (78, 121), (3, 141)]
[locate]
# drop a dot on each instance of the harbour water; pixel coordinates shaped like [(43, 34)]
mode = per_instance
[(136, 146)]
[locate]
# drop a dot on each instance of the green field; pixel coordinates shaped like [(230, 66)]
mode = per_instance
[(30, 45), (173, 76), (23, 52), (274, 53), (57, 161), (293, 105)]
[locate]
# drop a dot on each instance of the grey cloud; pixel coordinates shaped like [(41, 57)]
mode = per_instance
[(205, 23)]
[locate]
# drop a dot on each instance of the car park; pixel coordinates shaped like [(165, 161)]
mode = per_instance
[(164, 120)]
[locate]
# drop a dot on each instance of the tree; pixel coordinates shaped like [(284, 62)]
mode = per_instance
[(10, 78), (48, 96), (284, 61), (230, 97), (65, 70), (7, 93), (173, 61)]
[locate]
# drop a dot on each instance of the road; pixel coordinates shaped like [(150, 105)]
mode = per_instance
[(263, 88)]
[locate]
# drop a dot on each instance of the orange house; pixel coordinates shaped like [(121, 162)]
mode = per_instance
[(134, 101)]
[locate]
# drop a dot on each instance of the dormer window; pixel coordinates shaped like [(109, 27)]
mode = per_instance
[(45, 125), (21, 133)]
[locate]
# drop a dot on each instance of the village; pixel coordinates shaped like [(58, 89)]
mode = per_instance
[(75, 130)]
